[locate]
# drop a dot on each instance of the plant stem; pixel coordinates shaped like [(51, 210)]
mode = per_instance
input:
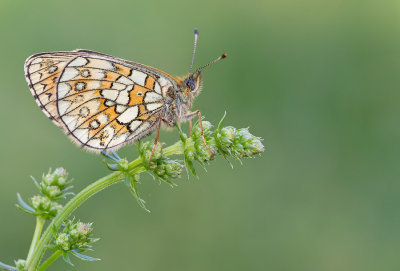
[(74, 203), (36, 236), (134, 167), (176, 148), (50, 260)]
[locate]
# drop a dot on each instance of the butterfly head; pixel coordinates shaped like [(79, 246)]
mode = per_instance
[(193, 83)]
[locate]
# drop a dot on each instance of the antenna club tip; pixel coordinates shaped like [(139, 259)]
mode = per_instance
[(224, 55), (196, 32)]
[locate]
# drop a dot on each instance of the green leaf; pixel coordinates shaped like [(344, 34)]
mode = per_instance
[(221, 122), (189, 165), (84, 257), (66, 258), (36, 183), (7, 267), (24, 206)]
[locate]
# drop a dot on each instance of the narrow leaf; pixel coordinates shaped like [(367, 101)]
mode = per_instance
[(84, 257), (24, 205), (6, 267), (130, 180), (66, 258), (35, 182)]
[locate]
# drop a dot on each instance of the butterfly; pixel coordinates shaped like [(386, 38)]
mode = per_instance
[(103, 102)]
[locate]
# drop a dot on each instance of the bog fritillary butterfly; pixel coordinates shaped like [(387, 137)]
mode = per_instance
[(103, 102)]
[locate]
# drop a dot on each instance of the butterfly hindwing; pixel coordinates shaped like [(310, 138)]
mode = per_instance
[(100, 101)]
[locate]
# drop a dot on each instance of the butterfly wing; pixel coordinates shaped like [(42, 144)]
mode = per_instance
[(100, 101)]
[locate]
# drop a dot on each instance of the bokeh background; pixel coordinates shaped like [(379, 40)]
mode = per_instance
[(318, 80)]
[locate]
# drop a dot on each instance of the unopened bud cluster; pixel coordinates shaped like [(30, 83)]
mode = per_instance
[(228, 141), (45, 207), (161, 166), (55, 184), (53, 187), (239, 143), (201, 152), (74, 236), (202, 146)]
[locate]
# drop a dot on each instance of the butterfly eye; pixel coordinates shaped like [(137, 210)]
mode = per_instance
[(190, 83)]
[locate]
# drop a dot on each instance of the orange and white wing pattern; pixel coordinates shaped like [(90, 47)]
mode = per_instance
[(100, 101)]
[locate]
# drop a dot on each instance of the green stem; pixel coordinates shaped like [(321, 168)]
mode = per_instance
[(50, 260), (176, 148), (74, 203), (36, 236), (134, 167)]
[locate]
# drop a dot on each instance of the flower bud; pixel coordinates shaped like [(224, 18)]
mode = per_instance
[(53, 191), (60, 176), (40, 202), (249, 145), (44, 207), (20, 264), (75, 236), (173, 169), (62, 241), (225, 138), (145, 150)]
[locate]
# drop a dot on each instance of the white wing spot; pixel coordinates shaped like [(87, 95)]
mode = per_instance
[(103, 118), (53, 69), (157, 88), (123, 98), (34, 67), (109, 94), (70, 121), (129, 114), (68, 74), (165, 85), (101, 64), (151, 107), (80, 85), (78, 62), (134, 125), (118, 140), (109, 103), (138, 77), (140, 129), (63, 90), (63, 106), (84, 112), (120, 108), (85, 73), (152, 97), (124, 80), (118, 86), (94, 124)]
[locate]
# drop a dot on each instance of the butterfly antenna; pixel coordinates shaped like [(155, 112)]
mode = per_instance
[(196, 36), (212, 62)]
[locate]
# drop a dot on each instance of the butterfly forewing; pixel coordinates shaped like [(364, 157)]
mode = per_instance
[(101, 102)]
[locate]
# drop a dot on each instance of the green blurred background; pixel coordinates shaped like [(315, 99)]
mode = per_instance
[(318, 80)]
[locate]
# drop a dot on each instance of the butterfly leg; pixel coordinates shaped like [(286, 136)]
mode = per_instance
[(155, 141), (198, 113), (113, 157), (116, 155), (190, 127)]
